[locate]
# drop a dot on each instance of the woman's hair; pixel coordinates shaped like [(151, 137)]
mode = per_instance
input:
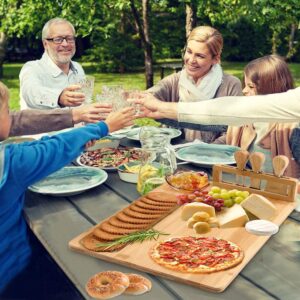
[(270, 74), (210, 36), (47, 26)]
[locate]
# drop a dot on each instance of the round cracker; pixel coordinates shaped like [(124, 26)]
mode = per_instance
[(145, 210), (158, 204), (122, 224), (162, 196), (101, 234), (106, 226), (90, 242), (138, 215), (123, 217)]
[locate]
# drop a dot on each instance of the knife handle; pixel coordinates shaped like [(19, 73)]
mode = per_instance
[(241, 158), (257, 160), (280, 164)]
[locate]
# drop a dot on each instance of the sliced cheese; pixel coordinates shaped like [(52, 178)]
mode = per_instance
[(189, 209), (259, 206), (234, 216)]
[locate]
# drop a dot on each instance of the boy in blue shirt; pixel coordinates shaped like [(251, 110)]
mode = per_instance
[(23, 164)]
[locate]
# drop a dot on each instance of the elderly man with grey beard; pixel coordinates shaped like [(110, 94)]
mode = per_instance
[(49, 82)]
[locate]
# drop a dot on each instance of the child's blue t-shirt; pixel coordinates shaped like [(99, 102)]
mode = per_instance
[(20, 166)]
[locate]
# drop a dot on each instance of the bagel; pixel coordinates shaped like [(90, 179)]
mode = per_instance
[(138, 285), (106, 285)]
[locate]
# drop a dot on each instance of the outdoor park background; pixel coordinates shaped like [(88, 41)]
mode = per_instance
[(124, 41)]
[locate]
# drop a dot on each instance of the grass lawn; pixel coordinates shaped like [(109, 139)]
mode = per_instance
[(134, 80)]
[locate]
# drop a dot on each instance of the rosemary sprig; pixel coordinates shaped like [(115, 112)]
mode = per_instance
[(138, 236)]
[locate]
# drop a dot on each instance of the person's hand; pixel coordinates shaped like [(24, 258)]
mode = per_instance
[(90, 113), (153, 108), (150, 106), (119, 119), (90, 144), (71, 97)]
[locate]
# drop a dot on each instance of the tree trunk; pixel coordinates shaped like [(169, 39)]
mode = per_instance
[(143, 30), (191, 17), (148, 46), (292, 48), (2, 51), (274, 42)]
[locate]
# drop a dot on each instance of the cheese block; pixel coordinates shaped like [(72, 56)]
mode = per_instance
[(234, 216), (259, 206), (189, 209)]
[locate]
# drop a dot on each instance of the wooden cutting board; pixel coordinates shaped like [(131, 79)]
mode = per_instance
[(136, 255)]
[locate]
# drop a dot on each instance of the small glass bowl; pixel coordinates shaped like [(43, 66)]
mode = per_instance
[(188, 181)]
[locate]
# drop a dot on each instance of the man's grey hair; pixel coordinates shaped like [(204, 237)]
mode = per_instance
[(47, 26)]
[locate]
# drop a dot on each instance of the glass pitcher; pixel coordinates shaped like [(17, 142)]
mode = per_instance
[(158, 159)]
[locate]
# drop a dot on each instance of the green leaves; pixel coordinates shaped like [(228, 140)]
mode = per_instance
[(138, 236)]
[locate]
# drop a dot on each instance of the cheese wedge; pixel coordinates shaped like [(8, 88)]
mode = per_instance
[(189, 209), (234, 216), (259, 206)]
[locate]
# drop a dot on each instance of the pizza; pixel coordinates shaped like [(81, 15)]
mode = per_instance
[(110, 157), (197, 254)]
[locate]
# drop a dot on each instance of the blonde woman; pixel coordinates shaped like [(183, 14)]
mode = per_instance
[(201, 78), (266, 75)]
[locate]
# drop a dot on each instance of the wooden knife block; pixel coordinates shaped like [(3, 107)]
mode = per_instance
[(288, 185)]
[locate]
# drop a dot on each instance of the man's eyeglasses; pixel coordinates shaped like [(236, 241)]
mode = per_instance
[(60, 39)]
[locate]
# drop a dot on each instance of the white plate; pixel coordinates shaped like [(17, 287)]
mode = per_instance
[(208, 154), (172, 133), (122, 132), (70, 181)]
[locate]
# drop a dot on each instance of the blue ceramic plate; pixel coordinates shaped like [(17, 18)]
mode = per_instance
[(172, 133), (208, 154), (70, 181)]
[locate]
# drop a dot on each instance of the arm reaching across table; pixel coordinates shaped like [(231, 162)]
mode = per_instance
[(233, 110)]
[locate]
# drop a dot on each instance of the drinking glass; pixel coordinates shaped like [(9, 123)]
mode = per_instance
[(115, 94), (134, 94), (87, 87)]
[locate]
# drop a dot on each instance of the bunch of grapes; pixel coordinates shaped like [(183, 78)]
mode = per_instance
[(230, 197), (201, 196)]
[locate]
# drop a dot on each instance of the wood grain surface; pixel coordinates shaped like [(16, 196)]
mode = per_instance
[(137, 255)]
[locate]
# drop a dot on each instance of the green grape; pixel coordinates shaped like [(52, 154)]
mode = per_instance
[(245, 194), (210, 193), (215, 189), (216, 195), (228, 202), (232, 193), (224, 195), (240, 194), (223, 191), (238, 200)]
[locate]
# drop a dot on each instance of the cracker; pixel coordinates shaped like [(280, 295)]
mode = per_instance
[(106, 226), (138, 215), (151, 206), (158, 204), (101, 234), (162, 196), (90, 242), (123, 217), (146, 210), (122, 224)]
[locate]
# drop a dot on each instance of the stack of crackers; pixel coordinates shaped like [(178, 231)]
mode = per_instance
[(142, 214)]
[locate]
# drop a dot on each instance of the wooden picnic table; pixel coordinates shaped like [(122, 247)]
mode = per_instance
[(175, 67), (272, 274)]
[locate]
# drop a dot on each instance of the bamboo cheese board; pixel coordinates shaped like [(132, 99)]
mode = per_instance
[(137, 255)]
